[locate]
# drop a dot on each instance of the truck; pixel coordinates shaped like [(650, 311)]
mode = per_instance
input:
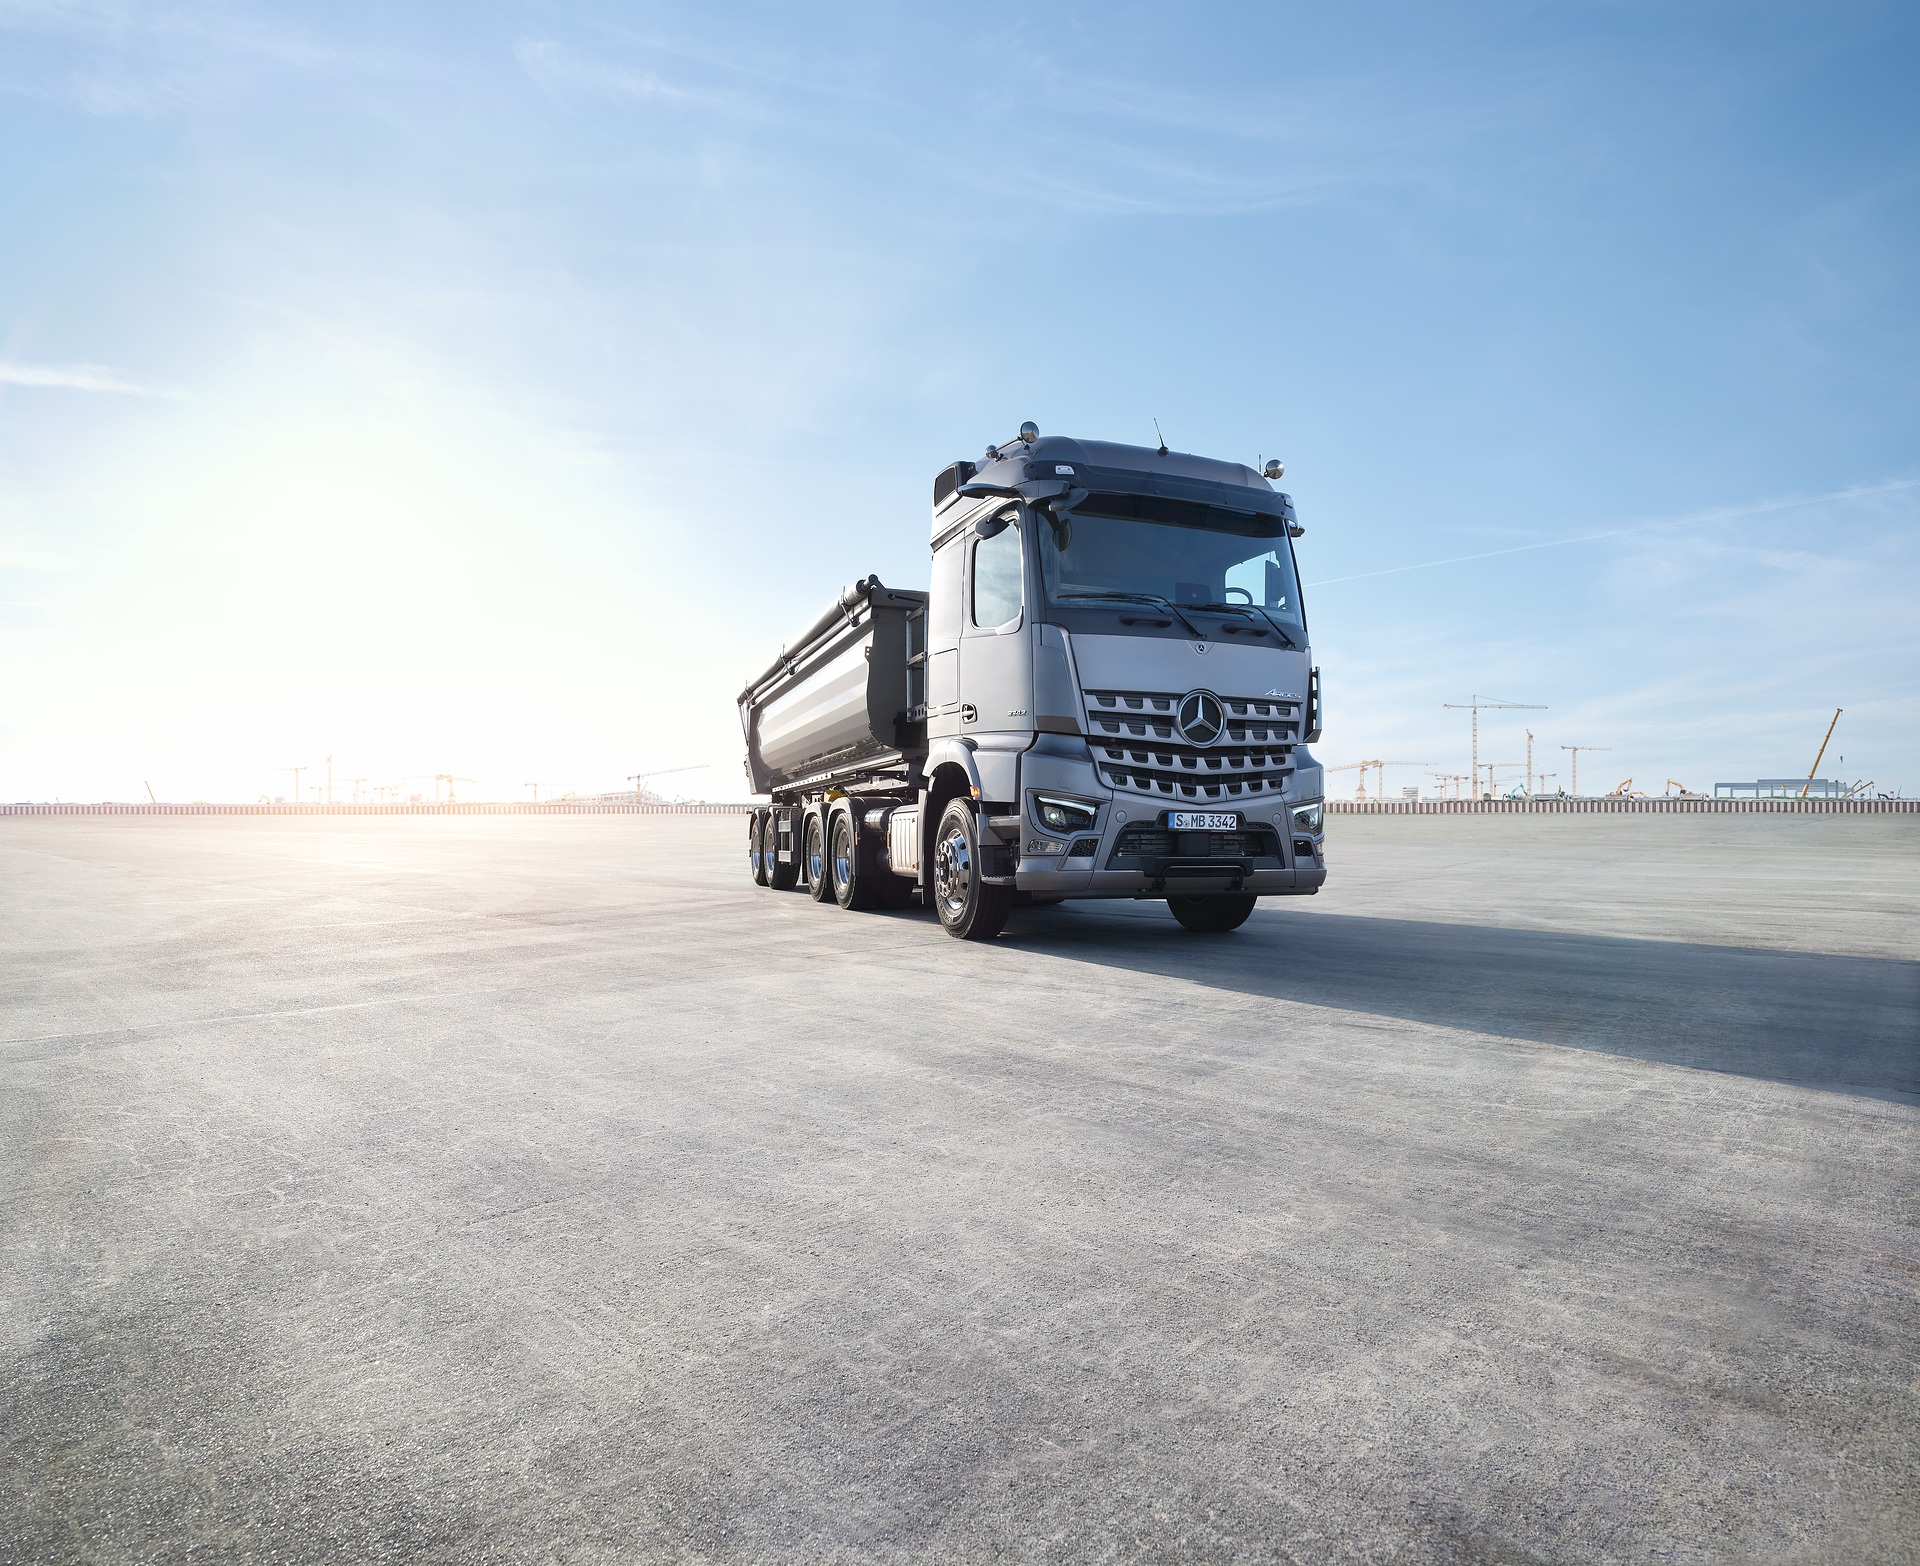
[(1106, 690)]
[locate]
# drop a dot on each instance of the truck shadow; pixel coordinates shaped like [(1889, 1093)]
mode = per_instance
[(1842, 1024)]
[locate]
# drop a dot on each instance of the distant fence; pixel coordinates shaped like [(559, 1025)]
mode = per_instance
[(1338, 807), (555, 808), (1611, 807)]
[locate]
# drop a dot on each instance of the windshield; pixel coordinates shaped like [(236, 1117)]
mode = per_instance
[(1189, 554)]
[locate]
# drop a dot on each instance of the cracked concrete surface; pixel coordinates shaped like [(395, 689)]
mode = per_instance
[(537, 1189)]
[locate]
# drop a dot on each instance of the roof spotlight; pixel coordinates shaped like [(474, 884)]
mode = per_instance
[(1274, 469), (1029, 432)]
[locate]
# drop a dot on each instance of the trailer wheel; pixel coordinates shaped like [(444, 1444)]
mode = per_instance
[(813, 859), (1213, 915), (969, 909), (757, 846), (779, 876), (852, 887)]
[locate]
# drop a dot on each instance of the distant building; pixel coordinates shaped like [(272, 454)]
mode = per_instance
[(1783, 788)]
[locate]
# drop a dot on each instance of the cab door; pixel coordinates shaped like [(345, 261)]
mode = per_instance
[(996, 651)]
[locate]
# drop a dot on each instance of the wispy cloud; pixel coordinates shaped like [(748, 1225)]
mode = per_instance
[(1693, 519), (82, 377), (556, 67)]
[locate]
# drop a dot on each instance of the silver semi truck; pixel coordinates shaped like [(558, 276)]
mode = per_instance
[(1106, 692)]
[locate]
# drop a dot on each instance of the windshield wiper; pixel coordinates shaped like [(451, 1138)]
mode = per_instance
[(1252, 609), (1143, 598)]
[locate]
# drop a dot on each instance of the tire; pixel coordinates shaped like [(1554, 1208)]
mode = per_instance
[(969, 909), (757, 846), (813, 859), (852, 884), (779, 876), (1213, 915)]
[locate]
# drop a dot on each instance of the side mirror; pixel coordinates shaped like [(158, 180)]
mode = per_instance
[(993, 527)]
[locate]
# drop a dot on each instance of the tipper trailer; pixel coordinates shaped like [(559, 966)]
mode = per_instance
[(1107, 691)]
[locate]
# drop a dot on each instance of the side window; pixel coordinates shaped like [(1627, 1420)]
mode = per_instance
[(996, 577)]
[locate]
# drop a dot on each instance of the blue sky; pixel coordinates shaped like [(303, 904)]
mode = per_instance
[(490, 389)]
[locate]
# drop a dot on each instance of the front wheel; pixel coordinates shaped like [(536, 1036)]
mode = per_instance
[(1213, 915), (969, 909)]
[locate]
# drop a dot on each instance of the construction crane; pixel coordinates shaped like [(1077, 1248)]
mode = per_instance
[(1544, 775), (1360, 792), (356, 789), (447, 778), (636, 778), (1446, 778), (1823, 750), (1576, 749), (1474, 707), (1489, 767), (296, 771)]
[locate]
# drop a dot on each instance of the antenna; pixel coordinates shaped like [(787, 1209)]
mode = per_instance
[(1162, 438)]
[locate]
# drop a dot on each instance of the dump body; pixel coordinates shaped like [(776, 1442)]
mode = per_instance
[(839, 702)]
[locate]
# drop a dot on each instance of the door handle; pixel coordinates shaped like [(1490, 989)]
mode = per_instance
[(968, 712)]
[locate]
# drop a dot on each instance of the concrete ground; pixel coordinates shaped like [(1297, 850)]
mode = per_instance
[(538, 1189)]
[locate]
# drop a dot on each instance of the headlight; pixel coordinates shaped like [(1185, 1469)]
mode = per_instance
[(1310, 818), (1063, 815)]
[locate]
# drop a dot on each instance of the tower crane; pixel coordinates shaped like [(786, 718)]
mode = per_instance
[(447, 778), (1380, 781), (637, 778), (1576, 749), (1474, 707)]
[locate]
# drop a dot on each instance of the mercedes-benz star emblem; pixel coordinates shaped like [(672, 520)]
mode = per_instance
[(1201, 717)]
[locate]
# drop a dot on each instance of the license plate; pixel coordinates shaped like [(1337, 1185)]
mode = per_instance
[(1203, 821)]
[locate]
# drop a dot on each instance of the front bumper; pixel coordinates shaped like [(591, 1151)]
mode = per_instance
[(1267, 859)]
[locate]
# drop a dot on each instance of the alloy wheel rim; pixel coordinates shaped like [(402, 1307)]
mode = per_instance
[(953, 870)]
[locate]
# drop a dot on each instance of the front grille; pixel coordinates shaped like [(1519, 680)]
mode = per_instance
[(1083, 848), (1137, 745), (1148, 847)]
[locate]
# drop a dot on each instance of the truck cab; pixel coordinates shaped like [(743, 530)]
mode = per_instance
[(1107, 691)]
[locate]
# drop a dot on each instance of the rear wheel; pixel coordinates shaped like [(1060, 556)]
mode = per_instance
[(852, 887), (969, 909), (757, 846), (813, 857), (1213, 915), (781, 873)]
